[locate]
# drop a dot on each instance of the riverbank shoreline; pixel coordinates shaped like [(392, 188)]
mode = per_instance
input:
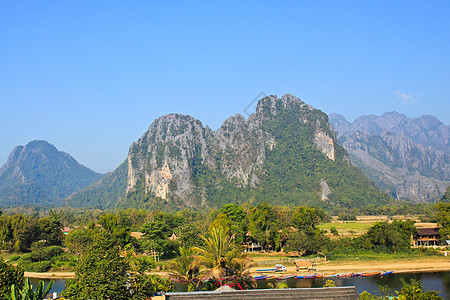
[(422, 265)]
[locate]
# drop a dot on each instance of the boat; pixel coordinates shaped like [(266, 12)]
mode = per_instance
[(286, 277), (266, 270), (368, 274)]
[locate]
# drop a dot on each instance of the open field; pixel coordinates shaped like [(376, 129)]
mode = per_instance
[(363, 223)]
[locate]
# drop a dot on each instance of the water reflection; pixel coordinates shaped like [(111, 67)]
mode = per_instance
[(439, 281)]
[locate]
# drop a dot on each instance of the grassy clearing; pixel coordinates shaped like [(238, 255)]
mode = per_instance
[(372, 256), (347, 228), (363, 223)]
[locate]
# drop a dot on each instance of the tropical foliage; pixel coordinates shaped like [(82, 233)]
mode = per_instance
[(27, 292), (409, 291)]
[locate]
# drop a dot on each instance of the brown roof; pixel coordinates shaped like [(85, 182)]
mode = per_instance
[(428, 231), (302, 263)]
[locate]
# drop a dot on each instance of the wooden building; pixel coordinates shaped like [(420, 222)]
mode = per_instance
[(427, 237)]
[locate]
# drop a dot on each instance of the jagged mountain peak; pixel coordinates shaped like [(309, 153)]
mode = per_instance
[(181, 161), (272, 104), (409, 157)]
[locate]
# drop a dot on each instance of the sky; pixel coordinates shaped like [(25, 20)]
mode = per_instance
[(90, 76)]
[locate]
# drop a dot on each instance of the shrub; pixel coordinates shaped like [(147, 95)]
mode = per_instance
[(347, 216), (14, 258)]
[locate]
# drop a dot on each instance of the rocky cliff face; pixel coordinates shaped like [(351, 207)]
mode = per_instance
[(179, 160), (408, 157), (427, 130), (38, 173)]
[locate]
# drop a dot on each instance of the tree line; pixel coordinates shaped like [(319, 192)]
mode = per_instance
[(202, 244)]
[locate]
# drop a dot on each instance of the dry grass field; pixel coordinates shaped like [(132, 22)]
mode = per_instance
[(363, 223)]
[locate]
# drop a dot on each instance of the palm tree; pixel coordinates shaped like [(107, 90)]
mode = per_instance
[(221, 255), (186, 268), (218, 250)]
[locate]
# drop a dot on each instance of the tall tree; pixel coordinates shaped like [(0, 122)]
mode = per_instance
[(101, 273), (307, 217), (218, 250), (9, 275), (443, 218)]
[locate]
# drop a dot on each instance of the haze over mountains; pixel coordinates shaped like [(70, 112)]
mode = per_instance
[(286, 153), (409, 158)]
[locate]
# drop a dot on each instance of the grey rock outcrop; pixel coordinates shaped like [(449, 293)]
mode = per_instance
[(173, 158), (410, 158)]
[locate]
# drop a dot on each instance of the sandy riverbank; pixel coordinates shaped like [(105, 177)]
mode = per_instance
[(431, 264), (50, 275), (434, 264)]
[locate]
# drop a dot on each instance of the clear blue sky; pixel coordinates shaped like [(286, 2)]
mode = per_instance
[(91, 76)]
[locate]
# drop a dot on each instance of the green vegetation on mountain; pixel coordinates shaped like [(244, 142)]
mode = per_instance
[(39, 174), (295, 167), (446, 197), (284, 154), (104, 193)]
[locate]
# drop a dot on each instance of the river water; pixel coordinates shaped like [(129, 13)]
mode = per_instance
[(438, 281)]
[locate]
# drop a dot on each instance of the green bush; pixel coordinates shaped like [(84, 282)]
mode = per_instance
[(346, 216), (14, 258), (41, 267), (46, 253)]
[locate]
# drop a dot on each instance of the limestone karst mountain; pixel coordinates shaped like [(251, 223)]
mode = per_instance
[(408, 158), (285, 153)]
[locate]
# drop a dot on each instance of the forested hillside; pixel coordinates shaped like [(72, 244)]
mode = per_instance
[(39, 174)]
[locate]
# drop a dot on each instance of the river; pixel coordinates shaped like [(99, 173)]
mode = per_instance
[(438, 281)]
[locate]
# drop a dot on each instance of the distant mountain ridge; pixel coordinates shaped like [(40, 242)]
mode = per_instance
[(39, 174), (409, 158), (426, 130), (285, 153)]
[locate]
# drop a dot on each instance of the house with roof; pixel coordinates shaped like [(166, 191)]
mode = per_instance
[(427, 237)]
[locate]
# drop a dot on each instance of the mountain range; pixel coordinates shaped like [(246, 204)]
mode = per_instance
[(286, 153), (408, 158)]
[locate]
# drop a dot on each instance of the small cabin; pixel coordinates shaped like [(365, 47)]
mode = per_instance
[(304, 265), (427, 237)]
